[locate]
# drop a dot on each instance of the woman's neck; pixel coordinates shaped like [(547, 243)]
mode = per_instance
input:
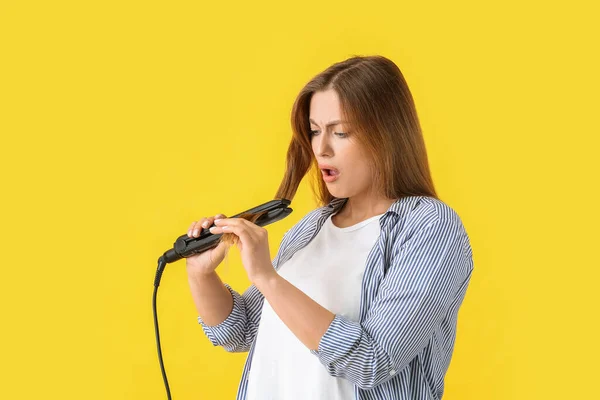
[(356, 210)]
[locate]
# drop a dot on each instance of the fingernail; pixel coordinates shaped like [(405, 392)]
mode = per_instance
[(205, 224), (195, 231), (217, 220)]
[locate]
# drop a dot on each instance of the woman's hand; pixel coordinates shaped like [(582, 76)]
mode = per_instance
[(201, 265), (253, 245)]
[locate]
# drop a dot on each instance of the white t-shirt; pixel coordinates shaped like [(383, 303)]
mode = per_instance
[(329, 270)]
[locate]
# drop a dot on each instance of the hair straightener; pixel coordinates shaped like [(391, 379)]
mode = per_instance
[(186, 246)]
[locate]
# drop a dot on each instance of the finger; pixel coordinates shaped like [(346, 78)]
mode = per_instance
[(232, 225), (228, 221), (240, 223), (197, 228), (222, 223), (209, 221), (215, 230), (191, 228), (239, 229)]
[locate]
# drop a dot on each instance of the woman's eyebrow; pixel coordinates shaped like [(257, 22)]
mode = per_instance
[(337, 121)]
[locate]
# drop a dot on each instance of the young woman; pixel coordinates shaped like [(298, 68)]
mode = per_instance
[(363, 295)]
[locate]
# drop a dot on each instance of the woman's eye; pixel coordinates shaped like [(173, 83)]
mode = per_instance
[(340, 134)]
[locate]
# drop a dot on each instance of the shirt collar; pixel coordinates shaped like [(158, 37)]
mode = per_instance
[(393, 212)]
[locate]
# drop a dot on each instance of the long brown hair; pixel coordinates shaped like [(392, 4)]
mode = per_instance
[(375, 99)]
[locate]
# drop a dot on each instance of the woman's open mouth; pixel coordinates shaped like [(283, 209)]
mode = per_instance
[(330, 175)]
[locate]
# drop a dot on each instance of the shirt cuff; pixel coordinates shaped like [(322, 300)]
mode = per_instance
[(346, 351), (226, 331), (339, 339)]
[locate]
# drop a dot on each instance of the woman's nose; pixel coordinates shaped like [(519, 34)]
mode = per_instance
[(322, 146)]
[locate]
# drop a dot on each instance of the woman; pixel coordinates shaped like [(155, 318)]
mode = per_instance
[(363, 294)]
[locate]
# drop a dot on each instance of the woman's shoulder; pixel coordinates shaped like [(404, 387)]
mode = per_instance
[(430, 209), (422, 212)]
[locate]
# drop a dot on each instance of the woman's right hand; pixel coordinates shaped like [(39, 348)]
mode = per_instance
[(201, 265)]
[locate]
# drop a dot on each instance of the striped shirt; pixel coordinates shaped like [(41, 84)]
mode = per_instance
[(415, 280)]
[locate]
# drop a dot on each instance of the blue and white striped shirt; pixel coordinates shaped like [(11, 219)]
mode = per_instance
[(415, 280)]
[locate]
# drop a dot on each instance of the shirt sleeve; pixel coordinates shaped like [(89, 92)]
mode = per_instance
[(423, 279), (239, 329), (237, 332)]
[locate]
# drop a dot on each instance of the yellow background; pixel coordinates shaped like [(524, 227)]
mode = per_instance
[(122, 122)]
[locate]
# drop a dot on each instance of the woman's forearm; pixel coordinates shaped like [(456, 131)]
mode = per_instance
[(306, 318), (212, 299)]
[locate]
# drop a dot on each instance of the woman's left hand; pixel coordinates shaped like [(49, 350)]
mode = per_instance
[(253, 245)]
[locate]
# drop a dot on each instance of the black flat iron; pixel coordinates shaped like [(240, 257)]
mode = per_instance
[(186, 246)]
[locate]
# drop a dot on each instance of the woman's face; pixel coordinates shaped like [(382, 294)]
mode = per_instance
[(335, 145)]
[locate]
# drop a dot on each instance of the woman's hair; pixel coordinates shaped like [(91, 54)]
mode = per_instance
[(376, 100)]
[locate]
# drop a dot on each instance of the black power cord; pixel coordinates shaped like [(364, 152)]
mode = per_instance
[(159, 271), (186, 246)]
